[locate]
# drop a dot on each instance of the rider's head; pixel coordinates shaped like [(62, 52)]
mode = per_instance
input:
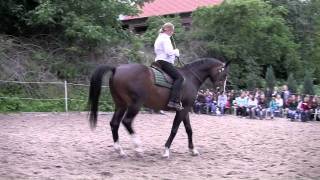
[(167, 28)]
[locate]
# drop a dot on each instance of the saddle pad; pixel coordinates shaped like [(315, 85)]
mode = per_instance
[(160, 78)]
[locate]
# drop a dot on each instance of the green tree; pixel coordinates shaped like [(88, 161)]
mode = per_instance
[(308, 84), (87, 23), (251, 83), (303, 18), (92, 22), (292, 83), (13, 15), (247, 29), (270, 78), (253, 79)]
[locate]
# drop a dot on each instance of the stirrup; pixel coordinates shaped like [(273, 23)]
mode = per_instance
[(175, 105)]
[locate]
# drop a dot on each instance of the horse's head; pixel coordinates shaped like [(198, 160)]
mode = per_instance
[(218, 75)]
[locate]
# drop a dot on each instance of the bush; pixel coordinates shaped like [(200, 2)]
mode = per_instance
[(308, 84), (10, 105)]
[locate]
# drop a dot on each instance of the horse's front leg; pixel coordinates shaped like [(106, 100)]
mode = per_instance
[(187, 125), (176, 123)]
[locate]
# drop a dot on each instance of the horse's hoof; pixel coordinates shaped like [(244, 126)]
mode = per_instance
[(194, 152), (166, 153), (119, 150), (136, 140), (140, 155), (165, 156), (139, 152), (123, 155)]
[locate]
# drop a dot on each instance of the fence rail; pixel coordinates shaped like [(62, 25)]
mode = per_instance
[(65, 85)]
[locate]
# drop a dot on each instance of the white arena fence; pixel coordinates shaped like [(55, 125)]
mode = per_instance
[(64, 89)]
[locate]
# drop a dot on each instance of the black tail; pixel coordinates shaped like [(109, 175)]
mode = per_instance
[(94, 92)]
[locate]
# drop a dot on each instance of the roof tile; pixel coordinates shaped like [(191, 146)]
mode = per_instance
[(164, 7)]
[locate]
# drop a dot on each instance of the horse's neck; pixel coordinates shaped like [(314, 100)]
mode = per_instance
[(198, 75)]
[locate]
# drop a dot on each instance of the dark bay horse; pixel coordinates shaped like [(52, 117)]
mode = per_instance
[(132, 86)]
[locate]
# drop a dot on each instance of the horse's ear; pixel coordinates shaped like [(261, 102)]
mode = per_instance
[(227, 63)]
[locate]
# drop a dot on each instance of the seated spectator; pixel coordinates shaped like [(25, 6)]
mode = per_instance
[(273, 106), (314, 108), (200, 102), (227, 108), (292, 105), (305, 109), (241, 104), (317, 109), (285, 95), (279, 101), (222, 101), (262, 106), (210, 105), (252, 106)]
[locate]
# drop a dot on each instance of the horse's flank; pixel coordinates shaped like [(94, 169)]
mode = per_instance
[(134, 82), (131, 81)]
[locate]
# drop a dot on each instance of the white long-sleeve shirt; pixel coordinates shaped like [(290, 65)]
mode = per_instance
[(164, 50), (279, 102), (253, 103)]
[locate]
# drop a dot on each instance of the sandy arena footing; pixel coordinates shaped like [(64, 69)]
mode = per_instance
[(62, 146)]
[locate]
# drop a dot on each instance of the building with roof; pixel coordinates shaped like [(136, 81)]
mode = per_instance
[(165, 8)]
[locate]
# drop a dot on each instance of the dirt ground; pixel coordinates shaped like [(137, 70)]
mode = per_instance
[(62, 146)]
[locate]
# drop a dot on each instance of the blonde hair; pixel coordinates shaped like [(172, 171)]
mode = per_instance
[(166, 26)]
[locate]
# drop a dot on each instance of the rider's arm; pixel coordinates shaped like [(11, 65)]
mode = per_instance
[(169, 49)]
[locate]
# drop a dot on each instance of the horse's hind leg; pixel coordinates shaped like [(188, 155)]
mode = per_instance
[(187, 125), (132, 111), (115, 123)]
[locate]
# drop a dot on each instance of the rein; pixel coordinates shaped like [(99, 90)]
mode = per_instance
[(174, 46)]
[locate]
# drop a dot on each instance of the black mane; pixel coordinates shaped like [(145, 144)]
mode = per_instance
[(203, 61)]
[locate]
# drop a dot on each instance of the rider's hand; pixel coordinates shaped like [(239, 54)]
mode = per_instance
[(176, 52)]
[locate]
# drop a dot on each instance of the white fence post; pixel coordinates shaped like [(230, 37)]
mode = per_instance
[(66, 95)]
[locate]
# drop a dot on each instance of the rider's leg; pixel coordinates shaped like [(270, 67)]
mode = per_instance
[(178, 80)]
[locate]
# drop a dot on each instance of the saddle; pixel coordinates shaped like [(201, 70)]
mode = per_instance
[(161, 78)]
